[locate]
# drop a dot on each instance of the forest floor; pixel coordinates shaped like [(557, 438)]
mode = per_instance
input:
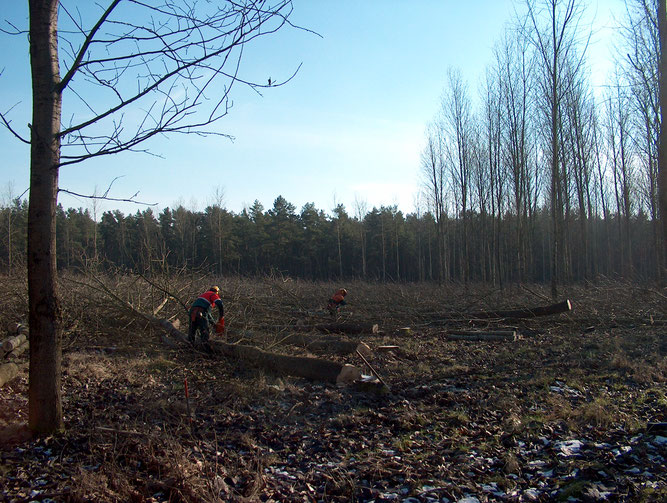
[(569, 412)]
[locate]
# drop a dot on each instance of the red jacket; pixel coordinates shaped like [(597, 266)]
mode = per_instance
[(338, 297), (210, 296), (207, 299)]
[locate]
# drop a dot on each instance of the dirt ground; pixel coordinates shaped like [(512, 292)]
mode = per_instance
[(574, 410)]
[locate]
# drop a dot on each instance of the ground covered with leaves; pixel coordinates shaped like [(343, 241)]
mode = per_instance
[(572, 411)]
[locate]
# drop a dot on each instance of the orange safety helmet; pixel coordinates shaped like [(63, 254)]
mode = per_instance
[(215, 289)]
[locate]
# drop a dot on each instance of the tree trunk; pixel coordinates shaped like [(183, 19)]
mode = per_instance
[(662, 148), (45, 401)]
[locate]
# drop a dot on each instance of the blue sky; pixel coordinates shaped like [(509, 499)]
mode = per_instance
[(351, 124)]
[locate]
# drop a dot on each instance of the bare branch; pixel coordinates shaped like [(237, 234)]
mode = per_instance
[(7, 124), (84, 48), (123, 200)]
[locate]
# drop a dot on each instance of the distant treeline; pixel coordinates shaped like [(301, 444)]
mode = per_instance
[(383, 244)]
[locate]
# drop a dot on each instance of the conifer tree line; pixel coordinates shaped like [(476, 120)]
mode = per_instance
[(531, 175), (381, 244)]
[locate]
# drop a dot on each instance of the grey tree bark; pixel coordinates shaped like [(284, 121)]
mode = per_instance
[(44, 394)]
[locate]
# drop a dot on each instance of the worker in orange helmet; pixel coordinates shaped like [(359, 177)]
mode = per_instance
[(201, 317), (337, 301)]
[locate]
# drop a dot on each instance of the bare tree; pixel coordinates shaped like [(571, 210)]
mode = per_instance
[(217, 206), (456, 125), (515, 80), (360, 211), (418, 213), (171, 64), (601, 182), (555, 27), (492, 118), (640, 66), (435, 180), (577, 143), (618, 137)]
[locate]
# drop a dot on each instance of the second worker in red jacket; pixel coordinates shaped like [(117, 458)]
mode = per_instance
[(337, 301)]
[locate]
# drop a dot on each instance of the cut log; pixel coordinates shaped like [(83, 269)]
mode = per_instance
[(18, 351), (342, 328), (8, 371), (299, 366), (14, 342), (500, 335), (16, 328)]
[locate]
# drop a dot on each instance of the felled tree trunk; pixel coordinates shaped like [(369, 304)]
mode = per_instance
[(8, 371), (341, 328), (532, 312), (330, 344), (560, 307), (326, 344), (500, 335)]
